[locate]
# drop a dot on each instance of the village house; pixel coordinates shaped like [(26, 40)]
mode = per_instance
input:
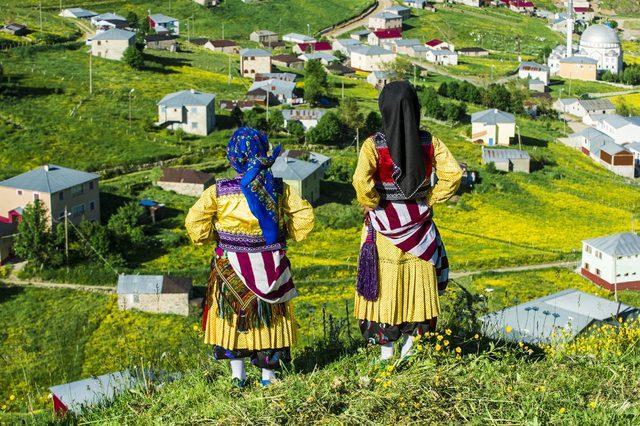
[(224, 46), (376, 38), (555, 318), (7, 233), (559, 24), (472, 3), (302, 174), (345, 45), (507, 160), (284, 76), (111, 44), (164, 24), (585, 14), (520, 6), (371, 58), (264, 37), (604, 151), (160, 294), (15, 29), (612, 262), (161, 42), (361, 35), (534, 71), (442, 57), (634, 149), (418, 51), (230, 105), (473, 51), (338, 68), (492, 127), (192, 111), (277, 91), (416, 4), (313, 157), (379, 79), (621, 129), (208, 3), (296, 38), (77, 13), (76, 396), (317, 46), (287, 61), (385, 21), (582, 107), (538, 86), (307, 117), (110, 24), (324, 58), (254, 61), (59, 189), (586, 138), (185, 181), (402, 46), (401, 11), (437, 44), (578, 68), (95, 20)]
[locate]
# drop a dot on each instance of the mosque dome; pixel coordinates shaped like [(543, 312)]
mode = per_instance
[(599, 36)]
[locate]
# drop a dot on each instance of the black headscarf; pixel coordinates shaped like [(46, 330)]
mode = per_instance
[(400, 111)]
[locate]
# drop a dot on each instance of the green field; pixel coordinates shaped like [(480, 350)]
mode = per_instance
[(490, 28)]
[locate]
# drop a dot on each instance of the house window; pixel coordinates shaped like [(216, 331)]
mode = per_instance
[(194, 125), (78, 210), (194, 110), (597, 272), (99, 43), (586, 266), (61, 195), (588, 249), (77, 190), (92, 206), (36, 196), (19, 191), (91, 186)]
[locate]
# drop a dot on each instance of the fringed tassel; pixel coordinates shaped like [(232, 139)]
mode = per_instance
[(367, 285)]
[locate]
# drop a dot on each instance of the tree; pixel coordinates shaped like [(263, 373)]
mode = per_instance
[(276, 121), (327, 132), (133, 57), (93, 242), (255, 119), (125, 227), (497, 96), (453, 112), (430, 103), (295, 129), (443, 90), (145, 27), (35, 241), (315, 81), (400, 69), (133, 20), (237, 116), (631, 75), (351, 116), (372, 124)]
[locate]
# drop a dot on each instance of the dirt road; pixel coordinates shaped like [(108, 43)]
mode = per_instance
[(358, 21)]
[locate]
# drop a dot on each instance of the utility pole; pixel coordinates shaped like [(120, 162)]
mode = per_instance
[(90, 73), (268, 98), (229, 81), (308, 30), (223, 30), (60, 5), (130, 94), (66, 235), (342, 89)]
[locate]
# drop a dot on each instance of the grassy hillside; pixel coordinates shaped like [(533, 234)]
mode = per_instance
[(621, 6)]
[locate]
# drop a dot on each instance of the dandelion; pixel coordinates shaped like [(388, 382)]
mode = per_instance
[(448, 332), (476, 336), (440, 337), (390, 368), (446, 343), (386, 384), (4, 407), (458, 350), (562, 410), (12, 397), (195, 327), (593, 405), (521, 344), (438, 347), (508, 329)]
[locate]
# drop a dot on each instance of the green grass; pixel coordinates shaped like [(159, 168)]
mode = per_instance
[(577, 88), (621, 6), (491, 28)]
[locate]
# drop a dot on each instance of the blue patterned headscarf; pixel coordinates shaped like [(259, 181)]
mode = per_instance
[(247, 153)]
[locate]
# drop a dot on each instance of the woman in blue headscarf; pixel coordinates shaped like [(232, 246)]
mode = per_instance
[(248, 312)]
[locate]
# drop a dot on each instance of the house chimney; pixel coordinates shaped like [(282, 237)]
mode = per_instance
[(46, 167), (193, 91)]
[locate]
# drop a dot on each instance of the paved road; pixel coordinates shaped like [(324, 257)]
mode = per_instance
[(358, 21), (12, 281)]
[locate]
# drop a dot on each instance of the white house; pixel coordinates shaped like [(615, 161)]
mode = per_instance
[(385, 21), (154, 293), (360, 35), (418, 51), (164, 24), (77, 13), (307, 117), (441, 57), (582, 107), (376, 38), (492, 127), (189, 110), (534, 71), (254, 61), (345, 45), (612, 262), (325, 58), (302, 174), (402, 46), (297, 38), (416, 4), (379, 79), (264, 37), (401, 11), (370, 58), (621, 129), (277, 91), (106, 17), (438, 44), (111, 44)]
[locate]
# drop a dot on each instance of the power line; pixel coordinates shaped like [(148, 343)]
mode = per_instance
[(93, 248)]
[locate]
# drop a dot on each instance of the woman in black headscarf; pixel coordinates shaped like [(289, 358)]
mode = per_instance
[(403, 265)]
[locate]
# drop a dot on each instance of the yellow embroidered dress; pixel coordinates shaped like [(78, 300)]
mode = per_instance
[(223, 211), (408, 288)]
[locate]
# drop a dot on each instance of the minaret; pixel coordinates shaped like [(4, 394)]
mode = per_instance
[(569, 28)]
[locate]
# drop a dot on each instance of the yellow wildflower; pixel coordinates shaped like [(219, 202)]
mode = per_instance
[(4, 407), (390, 367), (12, 397), (448, 332), (521, 344), (440, 337), (476, 336), (593, 405), (458, 350), (386, 384), (562, 410), (438, 347), (508, 329), (195, 327), (446, 343)]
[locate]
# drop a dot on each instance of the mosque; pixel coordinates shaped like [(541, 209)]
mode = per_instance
[(599, 51)]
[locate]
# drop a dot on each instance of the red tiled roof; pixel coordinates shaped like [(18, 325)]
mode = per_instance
[(434, 42), (582, 9), (318, 46), (391, 33), (518, 3)]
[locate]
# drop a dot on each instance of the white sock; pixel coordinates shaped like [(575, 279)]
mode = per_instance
[(269, 375), (386, 351), (237, 369), (407, 348)]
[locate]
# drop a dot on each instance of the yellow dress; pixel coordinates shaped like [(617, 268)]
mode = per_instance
[(408, 289), (230, 213)]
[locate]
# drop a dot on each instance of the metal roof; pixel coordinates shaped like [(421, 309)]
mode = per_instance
[(596, 104), (114, 34), (386, 16), (264, 32), (303, 114), (159, 18), (303, 37), (579, 60), (83, 393), (361, 32), (526, 65), (275, 86), (318, 55), (593, 136), (254, 52), (492, 116), (617, 121), (152, 284), (49, 179), (497, 154), (371, 50), (79, 12), (552, 318), (624, 244), (408, 42), (187, 98), (288, 168), (633, 146), (107, 15), (612, 148)]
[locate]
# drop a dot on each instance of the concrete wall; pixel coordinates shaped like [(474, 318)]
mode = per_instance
[(110, 49), (197, 120), (370, 63), (250, 66), (383, 24), (578, 71), (177, 303), (192, 189), (624, 269)]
